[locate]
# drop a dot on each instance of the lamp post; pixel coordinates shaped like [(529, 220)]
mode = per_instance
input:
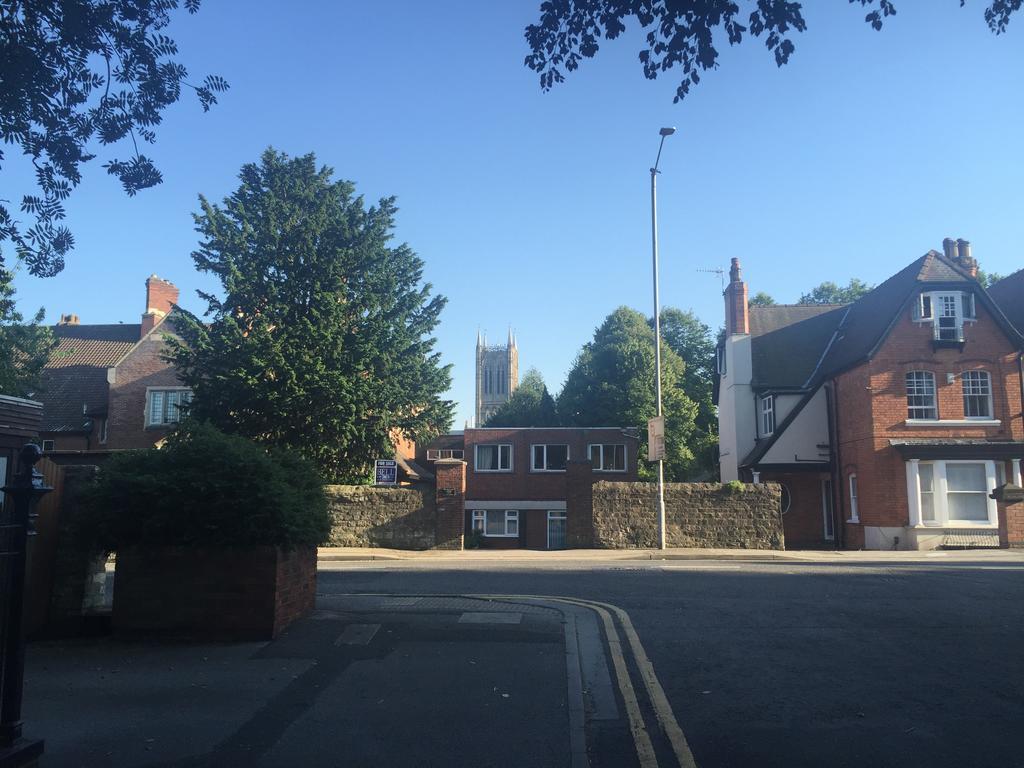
[(657, 330)]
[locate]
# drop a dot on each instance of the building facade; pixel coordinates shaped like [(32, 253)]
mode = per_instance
[(517, 481), (497, 376), (888, 421), (107, 387)]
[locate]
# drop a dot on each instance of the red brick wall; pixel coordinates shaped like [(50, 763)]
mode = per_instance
[(450, 503), (873, 409), (161, 296), (251, 593), (804, 521), (143, 367), (523, 484)]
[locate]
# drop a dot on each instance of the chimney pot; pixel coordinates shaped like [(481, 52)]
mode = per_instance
[(71, 319), (949, 248), (966, 260)]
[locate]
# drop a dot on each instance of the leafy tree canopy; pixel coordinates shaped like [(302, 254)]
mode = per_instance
[(321, 342), (761, 299), (830, 293), (612, 383), (77, 72), (684, 32), (24, 347), (693, 341), (531, 405), (988, 279)]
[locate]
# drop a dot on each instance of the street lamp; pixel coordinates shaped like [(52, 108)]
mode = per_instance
[(657, 332)]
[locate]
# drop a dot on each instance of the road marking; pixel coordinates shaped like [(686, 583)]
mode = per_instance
[(480, 617), (659, 701), (357, 634), (700, 567)]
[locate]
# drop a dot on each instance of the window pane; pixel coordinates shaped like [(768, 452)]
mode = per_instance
[(506, 456), (926, 473), (156, 407), (968, 506), (926, 476), (495, 522), (538, 457), (619, 460), (558, 456), (594, 452), (487, 457), (512, 522), (965, 477)]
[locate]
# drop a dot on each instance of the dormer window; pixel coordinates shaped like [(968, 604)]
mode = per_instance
[(767, 415), (946, 311)]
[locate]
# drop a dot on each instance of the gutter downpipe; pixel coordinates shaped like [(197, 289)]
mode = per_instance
[(837, 480)]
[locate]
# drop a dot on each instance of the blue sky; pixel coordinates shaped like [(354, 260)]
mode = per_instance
[(531, 209)]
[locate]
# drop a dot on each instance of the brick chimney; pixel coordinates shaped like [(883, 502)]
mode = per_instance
[(970, 266), (161, 296), (737, 312), (68, 320)]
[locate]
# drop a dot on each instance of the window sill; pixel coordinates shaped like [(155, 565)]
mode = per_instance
[(493, 471), (611, 471), (957, 526), (547, 471), (953, 422), (854, 520), (500, 535)]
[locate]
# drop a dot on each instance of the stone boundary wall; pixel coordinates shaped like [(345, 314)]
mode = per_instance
[(367, 516), (696, 515)]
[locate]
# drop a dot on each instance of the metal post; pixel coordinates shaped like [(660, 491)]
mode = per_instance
[(23, 492), (657, 339)]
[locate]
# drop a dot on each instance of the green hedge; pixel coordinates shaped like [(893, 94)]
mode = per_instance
[(205, 488)]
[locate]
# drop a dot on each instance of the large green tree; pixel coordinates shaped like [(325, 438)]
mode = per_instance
[(24, 347), (612, 383), (761, 299), (693, 341), (531, 405), (830, 293), (686, 33), (75, 74), (321, 340)]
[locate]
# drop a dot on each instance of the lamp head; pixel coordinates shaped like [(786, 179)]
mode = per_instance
[(667, 131)]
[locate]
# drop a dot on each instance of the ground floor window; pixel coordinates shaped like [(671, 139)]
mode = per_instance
[(496, 522), (951, 492), (828, 522)]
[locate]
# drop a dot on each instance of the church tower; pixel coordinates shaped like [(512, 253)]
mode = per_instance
[(497, 375)]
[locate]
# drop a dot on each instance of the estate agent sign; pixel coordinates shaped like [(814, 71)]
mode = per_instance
[(386, 472)]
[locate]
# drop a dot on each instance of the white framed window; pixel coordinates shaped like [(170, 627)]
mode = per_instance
[(166, 406), (977, 387), (921, 402), (946, 312), (549, 457), (955, 493), (720, 361), (103, 431), (607, 457), (433, 454), (494, 457), (496, 522), (48, 445), (767, 415), (854, 502)]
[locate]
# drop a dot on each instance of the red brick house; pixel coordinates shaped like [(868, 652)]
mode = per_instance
[(887, 421), (106, 386), (516, 477)]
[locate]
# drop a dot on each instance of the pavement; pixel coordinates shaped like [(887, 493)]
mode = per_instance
[(577, 658), (541, 557)]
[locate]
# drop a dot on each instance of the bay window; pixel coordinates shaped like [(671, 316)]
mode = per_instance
[(952, 493)]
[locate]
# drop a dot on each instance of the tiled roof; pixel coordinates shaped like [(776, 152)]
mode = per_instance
[(97, 345), (1008, 293), (71, 395), (787, 342)]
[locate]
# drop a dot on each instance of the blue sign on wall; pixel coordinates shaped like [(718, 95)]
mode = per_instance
[(386, 472)]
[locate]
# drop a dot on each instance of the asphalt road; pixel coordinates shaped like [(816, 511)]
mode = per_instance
[(791, 664)]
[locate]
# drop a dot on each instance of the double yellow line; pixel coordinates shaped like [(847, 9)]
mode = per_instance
[(656, 694)]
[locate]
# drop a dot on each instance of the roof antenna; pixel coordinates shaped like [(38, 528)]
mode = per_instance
[(716, 271)]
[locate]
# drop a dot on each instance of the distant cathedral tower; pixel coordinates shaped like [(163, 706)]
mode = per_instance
[(497, 375)]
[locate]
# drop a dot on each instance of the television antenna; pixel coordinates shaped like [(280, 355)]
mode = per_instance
[(716, 271)]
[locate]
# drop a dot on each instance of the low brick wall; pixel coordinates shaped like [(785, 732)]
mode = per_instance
[(366, 516), (251, 593), (696, 515)]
